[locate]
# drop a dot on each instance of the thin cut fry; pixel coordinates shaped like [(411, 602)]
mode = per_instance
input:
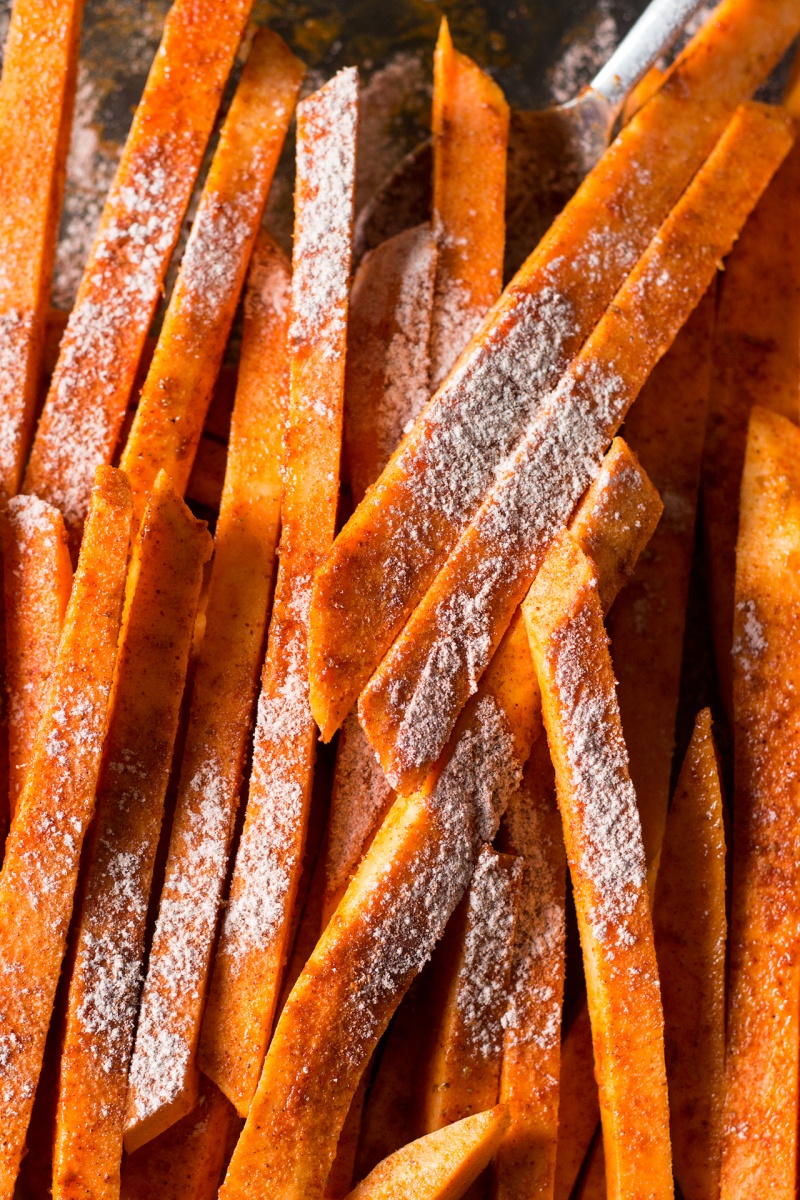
[(602, 833), (163, 593), (139, 227), (410, 705), (173, 404), (470, 986), (578, 1105), (43, 851), (223, 696), (389, 552), (400, 899), (188, 1160), (254, 940), (529, 1085), (690, 930), (440, 1166), (470, 143), (666, 428), (38, 579), (759, 1148), (37, 94)]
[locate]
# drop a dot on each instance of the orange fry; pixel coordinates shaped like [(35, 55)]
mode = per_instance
[(410, 705), (165, 580), (440, 1166), (529, 1085), (689, 923), (43, 851), (174, 400), (38, 579), (139, 227), (593, 1182), (578, 1104), (759, 1146), (223, 694), (602, 833), (340, 1180), (470, 143), (254, 940), (387, 555)]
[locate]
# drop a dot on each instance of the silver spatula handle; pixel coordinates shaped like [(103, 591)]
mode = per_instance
[(654, 32)]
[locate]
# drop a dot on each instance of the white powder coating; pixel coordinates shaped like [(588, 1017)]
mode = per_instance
[(327, 123), (16, 330), (456, 316), (482, 984), (213, 262), (611, 852), (29, 519), (750, 642)]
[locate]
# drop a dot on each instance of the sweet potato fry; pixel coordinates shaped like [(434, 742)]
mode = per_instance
[(165, 580), (529, 1085), (38, 578), (43, 851), (593, 1182), (689, 924), (602, 833), (470, 986), (756, 361), (389, 552), (440, 1166), (666, 429), (398, 903), (174, 400), (578, 1104), (340, 1180), (470, 143), (386, 379), (187, 1161), (207, 478), (223, 695), (759, 1146), (254, 940), (121, 283), (410, 705), (37, 93)]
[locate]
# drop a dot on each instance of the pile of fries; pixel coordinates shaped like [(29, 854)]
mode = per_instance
[(220, 974)]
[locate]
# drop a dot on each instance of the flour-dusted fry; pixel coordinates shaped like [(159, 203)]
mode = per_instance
[(529, 1085), (43, 851), (410, 705), (689, 923), (223, 695), (138, 230), (578, 1104), (440, 1166), (387, 555), (38, 579), (470, 143), (166, 576), (666, 429), (470, 990), (254, 940), (759, 1148), (37, 93), (605, 852), (174, 400)]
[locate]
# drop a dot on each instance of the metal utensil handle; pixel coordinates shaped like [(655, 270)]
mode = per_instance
[(654, 32)]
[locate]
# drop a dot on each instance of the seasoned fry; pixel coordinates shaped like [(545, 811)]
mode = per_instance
[(43, 851), (593, 1184), (38, 578), (122, 281), (689, 924), (254, 939), (759, 1147), (666, 428), (470, 143), (410, 705), (340, 1179), (163, 593), (470, 984), (578, 1104), (173, 404), (440, 1166), (529, 1085), (223, 694), (602, 833), (39, 61), (398, 903), (389, 552)]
